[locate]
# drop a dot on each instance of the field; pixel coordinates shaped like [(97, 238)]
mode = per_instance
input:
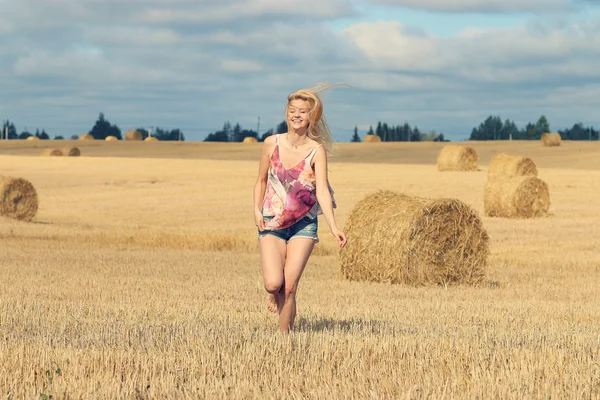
[(140, 278)]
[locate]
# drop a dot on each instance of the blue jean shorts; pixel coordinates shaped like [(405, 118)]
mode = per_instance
[(305, 228)]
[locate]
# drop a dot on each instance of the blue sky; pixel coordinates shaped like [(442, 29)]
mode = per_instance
[(440, 65)]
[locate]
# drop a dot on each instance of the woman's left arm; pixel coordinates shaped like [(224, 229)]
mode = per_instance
[(324, 196)]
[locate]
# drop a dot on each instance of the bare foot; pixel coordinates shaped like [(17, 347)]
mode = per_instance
[(271, 303)]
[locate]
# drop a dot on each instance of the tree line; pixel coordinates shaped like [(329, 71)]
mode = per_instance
[(101, 129), (493, 128)]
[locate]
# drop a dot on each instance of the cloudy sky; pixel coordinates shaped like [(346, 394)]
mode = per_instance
[(442, 65)]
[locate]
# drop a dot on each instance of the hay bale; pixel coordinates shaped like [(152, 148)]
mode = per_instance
[(551, 139), (250, 140), (51, 152), (71, 151), (111, 138), (516, 197), (401, 239), (86, 136), (372, 139), (134, 135), (504, 166), (18, 198), (32, 138), (457, 158), (151, 139)]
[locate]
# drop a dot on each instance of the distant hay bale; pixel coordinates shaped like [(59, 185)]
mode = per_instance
[(86, 136), (71, 151), (32, 138), (111, 138), (134, 135), (457, 158), (51, 152), (151, 139), (551, 139), (410, 240), (504, 166), (516, 197), (250, 140), (18, 198), (372, 139)]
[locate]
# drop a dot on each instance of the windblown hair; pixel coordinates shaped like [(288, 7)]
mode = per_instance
[(317, 127)]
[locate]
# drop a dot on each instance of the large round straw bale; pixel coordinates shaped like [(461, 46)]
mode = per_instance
[(457, 158), (151, 139), (18, 198), (71, 151), (505, 166), (516, 197), (250, 140), (401, 239), (134, 135), (372, 139), (111, 138), (86, 136), (551, 139), (32, 138), (51, 152)]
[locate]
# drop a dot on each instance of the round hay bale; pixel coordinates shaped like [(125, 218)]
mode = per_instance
[(71, 151), (516, 197), (551, 139), (18, 198), (134, 135), (504, 166), (51, 152), (250, 140), (151, 139), (372, 139), (86, 136), (457, 158), (32, 138), (111, 138), (410, 240)]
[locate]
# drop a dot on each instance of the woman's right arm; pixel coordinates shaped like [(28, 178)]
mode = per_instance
[(260, 186)]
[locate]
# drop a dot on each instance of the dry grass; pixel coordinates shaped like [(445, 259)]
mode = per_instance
[(372, 139), (551, 139), (133, 135), (140, 279), (51, 153), (516, 197)]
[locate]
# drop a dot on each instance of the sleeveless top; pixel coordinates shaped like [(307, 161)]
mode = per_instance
[(291, 193)]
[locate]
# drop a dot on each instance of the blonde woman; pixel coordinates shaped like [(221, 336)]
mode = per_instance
[(291, 190)]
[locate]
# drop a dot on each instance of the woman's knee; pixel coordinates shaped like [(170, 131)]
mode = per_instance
[(273, 285), (290, 293)]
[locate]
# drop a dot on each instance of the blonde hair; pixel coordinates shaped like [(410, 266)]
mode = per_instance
[(317, 127)]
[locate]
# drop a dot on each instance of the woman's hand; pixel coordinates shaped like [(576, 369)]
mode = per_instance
[(340, 237), (259, 221)]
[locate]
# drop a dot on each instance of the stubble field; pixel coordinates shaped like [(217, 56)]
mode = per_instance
[(140, 278)]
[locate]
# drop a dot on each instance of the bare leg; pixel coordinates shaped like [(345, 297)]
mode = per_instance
[(272, 259), (298, 252)]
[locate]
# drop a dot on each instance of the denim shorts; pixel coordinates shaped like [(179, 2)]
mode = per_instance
[(305, 228)]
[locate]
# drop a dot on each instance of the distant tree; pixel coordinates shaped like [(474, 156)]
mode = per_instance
[(58, 137), (370, 131), (282, 127), (266, 135), (145, 132), (542, 126), (43, 135), (168, 135), (355, 137), (24, 135), (415, 135), (379, 130), (74, 137), (103, 128), (12, 130), (440, 138)]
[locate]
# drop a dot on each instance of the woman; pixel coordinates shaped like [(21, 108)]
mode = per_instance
[(291, 190)]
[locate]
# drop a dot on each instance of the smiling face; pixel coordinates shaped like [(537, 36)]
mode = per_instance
[(297, 115)]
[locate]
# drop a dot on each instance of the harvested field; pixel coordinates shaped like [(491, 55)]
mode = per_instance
[(134, 280)]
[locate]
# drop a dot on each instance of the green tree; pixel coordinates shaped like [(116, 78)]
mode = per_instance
[(266, 135), (282, 127), (370, 131), (12, 130), (355, 137), (542, 126), (103, 128)]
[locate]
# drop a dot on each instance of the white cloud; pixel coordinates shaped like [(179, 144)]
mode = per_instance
[(484, 6)]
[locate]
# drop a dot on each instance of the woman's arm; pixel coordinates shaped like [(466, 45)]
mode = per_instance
[(324, 196), (260, 186)]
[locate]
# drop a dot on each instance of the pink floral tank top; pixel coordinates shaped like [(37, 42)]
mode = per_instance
[(291, 193)]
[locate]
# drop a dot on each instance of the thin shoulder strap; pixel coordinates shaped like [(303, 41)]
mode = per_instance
[(312, 154)]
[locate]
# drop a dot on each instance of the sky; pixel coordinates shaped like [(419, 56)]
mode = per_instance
[(440, 65)]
